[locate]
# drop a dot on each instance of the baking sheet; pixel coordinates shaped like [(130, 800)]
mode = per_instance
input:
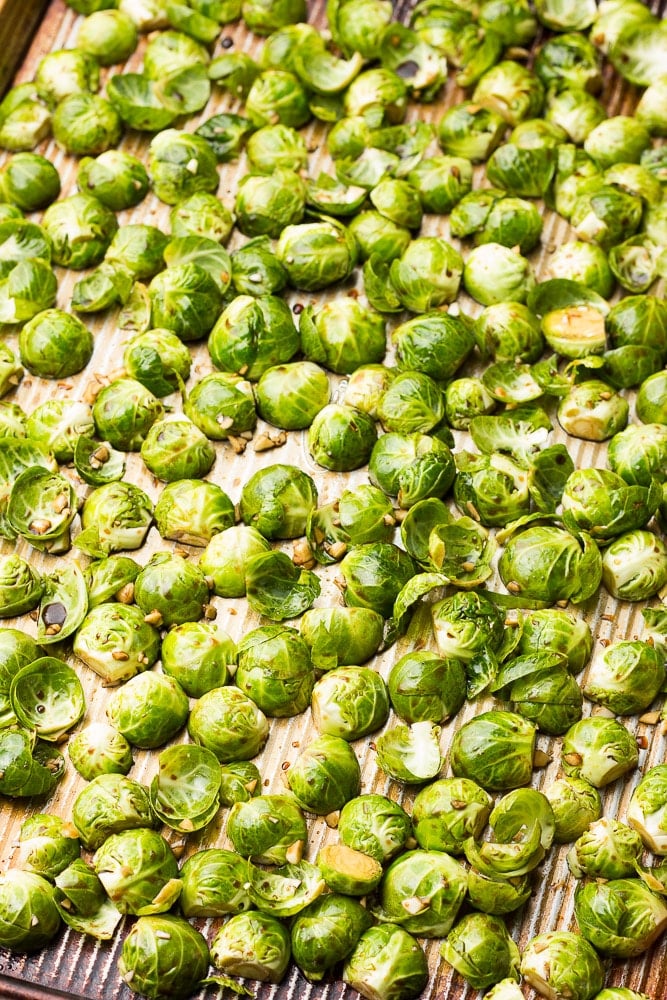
[(78, 967)]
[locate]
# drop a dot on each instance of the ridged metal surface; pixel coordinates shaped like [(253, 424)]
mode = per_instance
[(77, 967)]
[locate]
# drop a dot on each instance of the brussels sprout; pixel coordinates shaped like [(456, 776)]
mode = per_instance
[(240, 781), (495, 749), (277, 500), (374, 825), (115, 516), (377, 235), (175, 449), (275, 146), (159, 360), (449, 811), (226, 721), (570, 567), (374, 574), (124, 412), (286, 890), (593, 411), (47, 698), (139, 871), (16, 651), (277, 588), (348, 871), (511, 90), (341, 437), (184, 299), (506, 331), (341, 636), (619, 139), (350, 702), (650, 404), (163, 956), (481, 950), (498, 896), (116, 642), (342, 334), (30, 767), (181, 164), (41, 509), (604, 214), (253, 944), (625, 678), (109, 804), (647, 809), (29, 181), (600, 502), (468, 627), (599, 750), (82, 902), (494, 273), (81, 229), (21, 587), (213, 884), (269, 829), (410, 753), (55, 344), (574, 110), (185, 793), (170, 590), (494, 488), (325, 775), (47, 845), (111, 578), (471, 131), (387, 964), (607, 850), (65, 72), (651, 108), (556, 631), (109, 36), (277, 97), (621, 918), (317, 254), (422, 891), (326, 932), (275, 670), (426, 687), (584, 262), (427, 274), (170, 51), (29, 918), (634, 566), (59, 424), (222, 405), (576, 804), (148, 709), (253, 334), (619, 993), (265, 204), (411, 466), (256, 270), (227, 556), (291, 395), (202, 214), (560, 961), (99, 749), (523, 172), (638, 320), (193, 511), (12, 420), (137, 249), (198, 655), (85, 125)]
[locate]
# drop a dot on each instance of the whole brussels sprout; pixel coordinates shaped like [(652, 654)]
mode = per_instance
[(138, 249), (341, 437), (252, 944), (256, 270), (99, 749), (350, 702), (124, 411), (511, 90), (436, 344), (275, 670), (109, 804), (241, 781), (325, 775), (634, 566), (432, 877), (65, 72), (560, 961), (29, 181), (411, 467), (603, 504), (557, 631), (374, 574), (139, 871), (575, 804), (608, 849), (81, 229), (495, 749), (212, 884), (171, 590), (29, 918), (481, 950), (342, 334), (202, 214), (621, 918), (111, 578), (222, 405), (277, 500), (54, 344), (427, 274), (109, 36), (159, 360), (85, 125), (377, 235), (340, 636), (21, 587), (185, 299), (148, 709), (228, 722), (193, 511), (570, 567), (387, 962), (593, 411), (163, 956), (493, 486), (426, 687), (317, 254), (291, 395), (277, 97), (449, 811), (227, 555), (198, 655), (269, 829), (116, 642), (266, 203), (650, 404), (181, 164), (175, 449), (252, 334), (326, 932), (625, 678), (599, 750), (117, 179), (47, 845), (470, 130), (494, 273)]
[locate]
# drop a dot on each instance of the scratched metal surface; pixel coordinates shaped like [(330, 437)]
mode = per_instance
[(78, 967)]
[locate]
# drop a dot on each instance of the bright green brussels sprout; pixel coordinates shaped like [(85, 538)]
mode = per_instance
[(648, 808), (47, 845), (111, 578), (412, 467), (227, 555), (109, 36), (410, 753), (602, 503), (291, 395), (334, 197), (12, 420), (286, 890), (494, 273), (222, 405), (228, 722), (185, 793), (117, 179), (65, 72), (54, 344), (184, 299), (81, 229), (607, 850), (555, 631), (30, 287), (634, 566), (374, 825), (115, 516), (509, 330), (277, 501), (31, 767), (427, 274), (124, 411), (651, 405), (85, 125), (621, 918), (275, 670), (274, 146), (575, 804), (525, 172), (116, 642), (511, 90), (171, 590), (377, 235), (175, 449), (570, 567), (256, 270), (137, 249), (604, 214), (449, 811), (569, 60), (277, 588), (599, 750), (20, 241), (108, 285), (170, 51), (41, 509), (481, 950), (16, 650), (29, 918), (325, 775), (266, 203), (494, 487), (269, 829), (593, 411), (495, 749), (58, 424), (426, 687), (341, 437), (560, 962), (193, 511), (252, 944), (317, 254), (82, 902), (620, 139), (468, 627), (202, 214), (110, 803), (470, 130), (199, 655), (240, 781), (159, 360), (350, 702), (29, 181), (163, 956), (213, 884), (326, 932), (626, 677), (99, 749), (379, 95), (277, 97), (651, 108), (148, 709), (342, 334), (341, 636), (412, 403), (253, 334), (583, 262), (574, 110), (139, 871), (180, 164), (436, 344), (431, 883), (360, 26), (24, 121), (387, 964), (47, 698), (374, 574), (638, 320), (398, 201)]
